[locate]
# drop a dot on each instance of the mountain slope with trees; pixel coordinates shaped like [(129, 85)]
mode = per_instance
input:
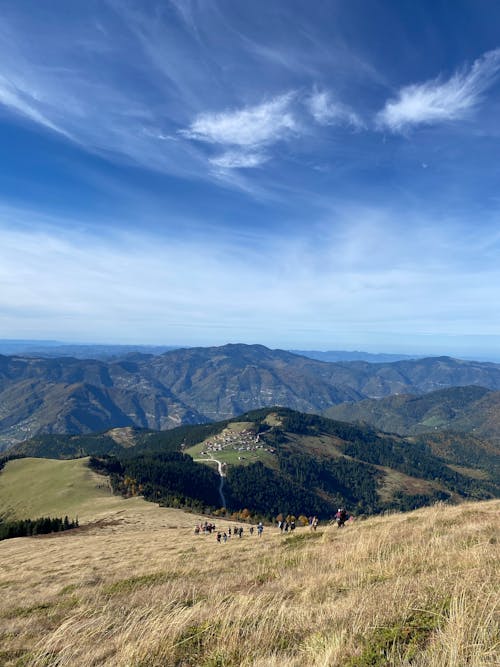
[(196, 385), (473, 410), (311, 466)]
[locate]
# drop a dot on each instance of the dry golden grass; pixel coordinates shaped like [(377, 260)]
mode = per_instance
[(142, 590)]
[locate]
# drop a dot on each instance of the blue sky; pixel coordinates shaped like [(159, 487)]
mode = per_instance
[(303, 175)]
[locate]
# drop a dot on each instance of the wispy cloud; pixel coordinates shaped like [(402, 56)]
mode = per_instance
[(238, 160), (364, 273), (327, 111), (132, 86), (77, 77), (252, 126), (247, 130), (26, 103), (436, 100)]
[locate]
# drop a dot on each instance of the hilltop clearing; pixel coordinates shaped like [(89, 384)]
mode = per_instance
[(417, 589)]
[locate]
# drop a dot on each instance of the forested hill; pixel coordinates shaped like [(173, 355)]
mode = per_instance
[(187, 386), (279, 460), (473, 410)]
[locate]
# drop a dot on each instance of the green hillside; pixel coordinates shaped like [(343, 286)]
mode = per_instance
[(32, 488), (275, 460), (278, 460), (467, 417), (407, 413)]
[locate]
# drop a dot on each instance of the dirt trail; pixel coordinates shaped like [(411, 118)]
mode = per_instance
[(220, 468)]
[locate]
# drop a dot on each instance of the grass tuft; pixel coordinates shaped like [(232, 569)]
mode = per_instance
[(132, 583)]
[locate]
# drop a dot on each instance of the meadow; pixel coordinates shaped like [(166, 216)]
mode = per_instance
[(32, 487), (134, 587)]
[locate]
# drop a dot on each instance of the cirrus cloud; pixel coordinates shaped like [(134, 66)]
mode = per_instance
[(437, 101), (249, 127), (327, 111), (239, 160), (245, 131)]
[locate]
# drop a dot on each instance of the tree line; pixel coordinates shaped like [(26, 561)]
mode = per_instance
[(30, 527)]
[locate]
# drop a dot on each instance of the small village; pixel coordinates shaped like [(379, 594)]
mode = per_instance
[(242, 441)]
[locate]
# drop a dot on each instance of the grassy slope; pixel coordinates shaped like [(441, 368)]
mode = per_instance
[(31, 488), (416, 589)]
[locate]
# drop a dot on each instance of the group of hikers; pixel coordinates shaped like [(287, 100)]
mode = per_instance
[(224, 536), (204, 528), (284, 525)]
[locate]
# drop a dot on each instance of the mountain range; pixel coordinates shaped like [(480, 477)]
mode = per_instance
[(199, 385), (104, 352), (472, 409)]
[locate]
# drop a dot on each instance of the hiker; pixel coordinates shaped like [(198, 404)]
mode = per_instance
[(219, 537), (196, 530), (240, 531), (251, 530), (229, 531), (282, 526), (292, 526), (260, 528), (224, 538), (315, 523), (341, 517)]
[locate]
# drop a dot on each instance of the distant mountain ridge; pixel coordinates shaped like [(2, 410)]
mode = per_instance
[(105, 352), (470, 409), (52, 348), (196, 385), (356, 355)]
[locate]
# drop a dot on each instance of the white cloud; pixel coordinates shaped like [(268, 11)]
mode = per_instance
[(326, 111), (246, 132), (436, 101), (239, 159), (94, 85), (252, 126)]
